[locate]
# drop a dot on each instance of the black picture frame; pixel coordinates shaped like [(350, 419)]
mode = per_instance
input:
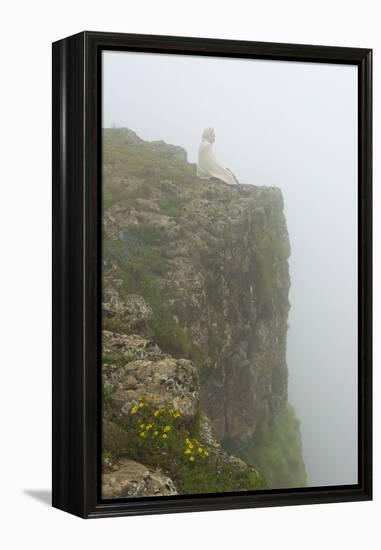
[(76, 268)]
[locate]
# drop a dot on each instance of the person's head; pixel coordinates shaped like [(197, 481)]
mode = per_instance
[(208, 135)]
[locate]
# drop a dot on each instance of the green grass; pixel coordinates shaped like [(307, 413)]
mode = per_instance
[(115, 359), (118, 193), (277, 451), (145, 160), (172, 206), (217, 477), (158, 437), (140, 263)]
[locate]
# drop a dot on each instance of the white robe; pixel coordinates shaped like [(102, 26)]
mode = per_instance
[(208, 166)]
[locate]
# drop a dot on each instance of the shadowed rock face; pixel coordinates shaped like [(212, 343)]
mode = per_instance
[(210, 265)]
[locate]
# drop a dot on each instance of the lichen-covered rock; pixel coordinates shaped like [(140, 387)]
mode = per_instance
[(132, 479), (127, 347), (143, 371), (166, 382), (132, 310)]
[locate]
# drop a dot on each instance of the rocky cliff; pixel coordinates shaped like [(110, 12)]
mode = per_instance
[(195, 292)]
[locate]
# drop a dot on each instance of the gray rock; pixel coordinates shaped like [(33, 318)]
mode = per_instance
[(149, 373), (132, 310), (132, 479)]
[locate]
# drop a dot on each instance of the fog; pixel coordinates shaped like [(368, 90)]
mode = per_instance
[(292, 125)]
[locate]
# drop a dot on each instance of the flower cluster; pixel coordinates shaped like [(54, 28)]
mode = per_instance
[(194, 449), (151, 429), (154, 422), (157, 433)]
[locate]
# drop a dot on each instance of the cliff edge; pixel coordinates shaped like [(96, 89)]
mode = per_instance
[(195, 308)]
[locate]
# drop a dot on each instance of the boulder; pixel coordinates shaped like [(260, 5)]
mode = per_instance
[(132, 479)]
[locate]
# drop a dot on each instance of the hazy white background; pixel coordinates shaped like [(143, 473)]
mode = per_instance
[(28, 28), (293, 125)]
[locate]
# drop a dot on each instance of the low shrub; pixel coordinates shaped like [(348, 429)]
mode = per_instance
[(158, 437)]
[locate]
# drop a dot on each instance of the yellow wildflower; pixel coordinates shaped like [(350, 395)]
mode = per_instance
[(142, 434), (206, 453), (156, 413), (164, 436), (141, 405), (187, 440), (149, 426), (199, 450), (167, 428), (191, 445), (191, 458), (188, 452), (133, 410), (156, 433), (142, 426)]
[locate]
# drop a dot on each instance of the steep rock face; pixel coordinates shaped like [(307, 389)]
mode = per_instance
[(226, 279), (210, 263)]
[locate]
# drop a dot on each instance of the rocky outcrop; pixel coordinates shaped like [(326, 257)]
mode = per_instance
[(135, 480), (150, 374), (132, 310)]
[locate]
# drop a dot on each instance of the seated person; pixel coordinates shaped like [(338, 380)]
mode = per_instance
[(207, 166)]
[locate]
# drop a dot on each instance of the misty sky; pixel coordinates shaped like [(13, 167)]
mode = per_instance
[(292, 125)]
